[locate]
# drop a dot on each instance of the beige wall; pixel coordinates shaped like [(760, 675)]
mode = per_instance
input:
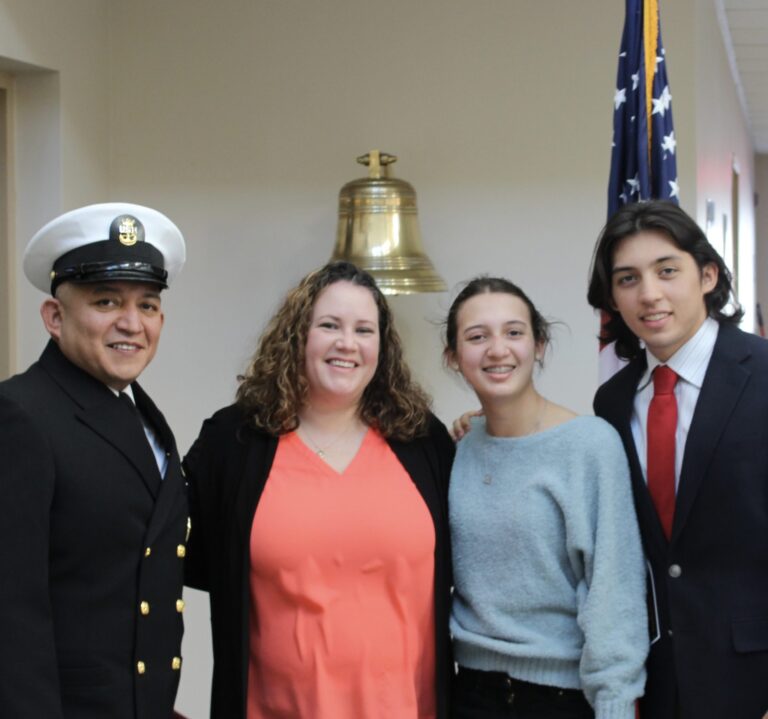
[(254, 114), (58, 55), (722, 142), (241, 119)]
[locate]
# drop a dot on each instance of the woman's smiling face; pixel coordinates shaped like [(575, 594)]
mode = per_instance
[(342, 349), (495, 346)]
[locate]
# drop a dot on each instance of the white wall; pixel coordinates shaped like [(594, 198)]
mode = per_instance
[(241, 120)]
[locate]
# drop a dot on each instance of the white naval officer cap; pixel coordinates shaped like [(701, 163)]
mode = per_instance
[(108, 241)]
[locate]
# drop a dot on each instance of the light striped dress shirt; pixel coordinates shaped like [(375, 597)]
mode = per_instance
[(690, 363)]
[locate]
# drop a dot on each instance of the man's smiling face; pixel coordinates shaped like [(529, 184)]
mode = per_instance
[(109, 329), (658, 289)]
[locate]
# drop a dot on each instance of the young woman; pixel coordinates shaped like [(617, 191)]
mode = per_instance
[(548, 615), (319, 520)]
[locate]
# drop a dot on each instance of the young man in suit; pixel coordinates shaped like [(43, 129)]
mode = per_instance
[(692, 410), (93, 516)]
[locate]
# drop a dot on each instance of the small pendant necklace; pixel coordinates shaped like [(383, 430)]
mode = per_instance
[(322, 451)]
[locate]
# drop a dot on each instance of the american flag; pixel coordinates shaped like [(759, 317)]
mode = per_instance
[(643, 163)]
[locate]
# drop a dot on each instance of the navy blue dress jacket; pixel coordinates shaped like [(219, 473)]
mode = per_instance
[(91, 551), (710, 580)]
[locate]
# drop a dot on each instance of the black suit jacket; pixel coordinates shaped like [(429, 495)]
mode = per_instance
[(227, 469), (88, 531), (711, 654)]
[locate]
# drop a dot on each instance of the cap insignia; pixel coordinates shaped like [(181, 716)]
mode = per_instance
[(128, 234), (127, 230)]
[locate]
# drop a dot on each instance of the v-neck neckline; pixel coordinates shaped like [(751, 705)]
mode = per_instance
[(317, 459)]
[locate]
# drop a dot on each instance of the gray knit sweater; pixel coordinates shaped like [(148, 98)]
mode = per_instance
[(548, 568)]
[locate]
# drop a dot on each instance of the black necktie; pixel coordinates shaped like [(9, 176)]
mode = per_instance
[(128, 402), (141, 436)]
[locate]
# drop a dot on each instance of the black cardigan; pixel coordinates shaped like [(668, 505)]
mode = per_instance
[(227, 469)]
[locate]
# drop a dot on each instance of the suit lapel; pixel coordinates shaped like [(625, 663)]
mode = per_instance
[(173, 482), (619, 410), (724, 383), (154, 416), (101, 411), (115, 424)]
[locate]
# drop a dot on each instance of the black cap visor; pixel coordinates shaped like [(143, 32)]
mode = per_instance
[(106, 260), (110, 271)]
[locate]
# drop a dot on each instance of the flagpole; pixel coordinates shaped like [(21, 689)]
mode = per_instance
[(643, 159)]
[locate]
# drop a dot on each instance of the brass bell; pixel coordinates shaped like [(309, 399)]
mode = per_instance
[(379, 230)]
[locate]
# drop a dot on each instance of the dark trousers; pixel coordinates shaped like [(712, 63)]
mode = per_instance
[(494, 695)]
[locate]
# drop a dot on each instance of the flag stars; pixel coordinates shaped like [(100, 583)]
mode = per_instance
[(643, 143), (669, 143), (662, 102)]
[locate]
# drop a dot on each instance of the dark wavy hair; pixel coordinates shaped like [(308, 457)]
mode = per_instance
[(274, 387), (669, 220), (485, 284)]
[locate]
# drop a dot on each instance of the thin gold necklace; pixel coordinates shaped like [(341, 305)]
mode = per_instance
[(323, 451)]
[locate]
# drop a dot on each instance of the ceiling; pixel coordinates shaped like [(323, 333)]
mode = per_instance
[(747, 23)]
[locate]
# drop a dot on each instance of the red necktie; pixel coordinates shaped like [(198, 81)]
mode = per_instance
[(661, 428)]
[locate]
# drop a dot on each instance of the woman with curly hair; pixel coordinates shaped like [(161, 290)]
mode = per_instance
[(319, 519)]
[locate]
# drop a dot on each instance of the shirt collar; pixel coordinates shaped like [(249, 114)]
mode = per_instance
[(691, 360), (128, 390)]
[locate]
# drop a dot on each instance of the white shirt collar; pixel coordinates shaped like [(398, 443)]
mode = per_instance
[(128, 390), (691, 360)]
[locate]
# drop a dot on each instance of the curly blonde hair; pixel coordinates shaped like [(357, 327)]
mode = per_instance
[(274, 387)]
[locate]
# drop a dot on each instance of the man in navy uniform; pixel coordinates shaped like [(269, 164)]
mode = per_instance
[(692, 410), (93, 514)]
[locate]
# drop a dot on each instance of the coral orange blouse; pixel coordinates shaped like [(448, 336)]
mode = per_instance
[(342, 575)]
